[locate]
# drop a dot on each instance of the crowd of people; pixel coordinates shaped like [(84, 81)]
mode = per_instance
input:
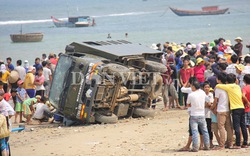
[(24, 91), (211, 81)]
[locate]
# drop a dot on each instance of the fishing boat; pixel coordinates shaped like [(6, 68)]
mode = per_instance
[(79, 21), (208, 10), (29, 37)]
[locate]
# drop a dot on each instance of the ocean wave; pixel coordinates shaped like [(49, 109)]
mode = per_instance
[(49, 20), (127, 14), (24, 22)]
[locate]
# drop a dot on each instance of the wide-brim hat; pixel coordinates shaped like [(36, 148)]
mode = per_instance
[(199, 60), (153, 46), (14, 76), (227, 43), (240, 67), (238, 38), (229, 50)]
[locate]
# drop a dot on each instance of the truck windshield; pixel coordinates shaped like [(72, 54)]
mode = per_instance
[(59, 79)]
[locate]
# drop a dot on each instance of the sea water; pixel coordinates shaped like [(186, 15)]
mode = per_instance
[(145, 21)]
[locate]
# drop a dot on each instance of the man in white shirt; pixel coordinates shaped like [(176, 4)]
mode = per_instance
[(42, 112), (48, 77), (20, 69), (231, 68), (196, 100), (223, 113)]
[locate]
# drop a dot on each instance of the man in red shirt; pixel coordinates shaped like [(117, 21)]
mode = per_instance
[(246, 93), (185, 73)]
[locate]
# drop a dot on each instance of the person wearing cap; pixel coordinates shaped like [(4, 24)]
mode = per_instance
[(239, 69), (26, 65), (21, 97), (21, 70), (29, 82), (199, 70), (50, 66), (238, 46)]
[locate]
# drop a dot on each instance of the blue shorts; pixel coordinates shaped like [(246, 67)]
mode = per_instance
[(3, 144)]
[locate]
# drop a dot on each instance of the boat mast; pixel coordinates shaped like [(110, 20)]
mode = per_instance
[(21, 31), (68, 8)]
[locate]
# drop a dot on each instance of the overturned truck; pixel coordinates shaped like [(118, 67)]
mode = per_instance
[(103, 81)]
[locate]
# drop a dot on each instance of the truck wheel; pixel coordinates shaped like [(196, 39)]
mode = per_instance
[(118, 70), (153, 66), (106, 119), (144, 112), (156, 86)]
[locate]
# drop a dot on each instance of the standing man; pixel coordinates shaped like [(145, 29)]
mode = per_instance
[(221, 104), (20, 69), (37, 64), (29, 84), (9, 63), (48, 77), (238, 46), (196, 100)]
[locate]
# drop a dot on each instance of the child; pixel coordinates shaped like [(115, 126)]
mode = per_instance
[(246, 93), (21, 96), (11, 97), (206, 88), (28, 108), (215, 129)]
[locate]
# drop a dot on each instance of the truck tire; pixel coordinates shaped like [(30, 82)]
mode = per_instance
[(153, 66), (106, 119), (156, 87), (143, 112), (118, 70)]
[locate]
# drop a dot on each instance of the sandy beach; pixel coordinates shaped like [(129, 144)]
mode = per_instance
[(162, 135)]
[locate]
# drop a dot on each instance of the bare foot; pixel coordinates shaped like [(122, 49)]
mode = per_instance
[(165, 109), (184, 149)]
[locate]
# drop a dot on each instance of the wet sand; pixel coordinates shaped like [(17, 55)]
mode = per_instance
[(163, 135)]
